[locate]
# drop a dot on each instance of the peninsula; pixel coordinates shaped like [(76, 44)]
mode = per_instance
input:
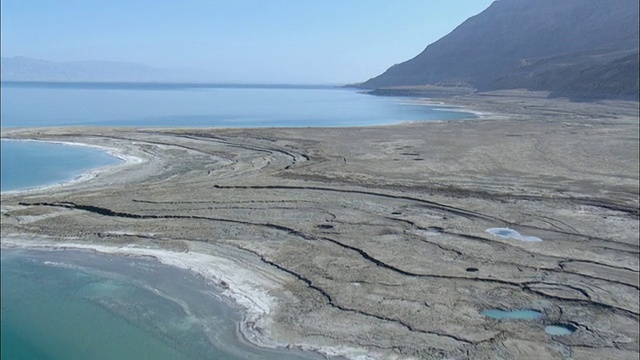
[(372, 241)]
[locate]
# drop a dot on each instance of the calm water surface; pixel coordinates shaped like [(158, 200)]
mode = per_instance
[(171, 105), (27, 164), (66, 305)]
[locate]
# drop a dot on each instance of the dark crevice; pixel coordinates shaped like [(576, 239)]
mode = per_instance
[(218, 202), (246, 147), (597, 263), (459, 192), (108, 212), (431, 204), (525, 286), (331, 302), (632, 252)]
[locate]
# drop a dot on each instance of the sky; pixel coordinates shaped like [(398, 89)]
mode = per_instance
[(275, 41)]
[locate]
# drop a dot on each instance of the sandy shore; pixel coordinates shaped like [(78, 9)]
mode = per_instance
[(371, 242)]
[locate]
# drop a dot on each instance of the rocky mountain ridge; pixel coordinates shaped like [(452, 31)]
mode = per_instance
[(584, 49)]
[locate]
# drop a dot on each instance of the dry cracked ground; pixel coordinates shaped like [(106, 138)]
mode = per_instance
[(381, 232)]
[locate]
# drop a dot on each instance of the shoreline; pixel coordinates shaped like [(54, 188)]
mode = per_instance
[(253, 300), (118, 153), (443, 105)]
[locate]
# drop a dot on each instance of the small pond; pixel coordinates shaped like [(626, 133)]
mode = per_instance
[(513, 314), (560, 329), (511, 234), (554, 329)]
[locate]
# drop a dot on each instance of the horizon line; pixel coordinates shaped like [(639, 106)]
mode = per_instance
[(172, 84)]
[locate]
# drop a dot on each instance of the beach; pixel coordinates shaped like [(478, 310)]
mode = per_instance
[(372, 242)]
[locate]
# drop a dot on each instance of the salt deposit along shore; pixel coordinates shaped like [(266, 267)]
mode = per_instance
[(126, 161), (372, 242)]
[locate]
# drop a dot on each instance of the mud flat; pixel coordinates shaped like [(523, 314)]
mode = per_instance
[(372, 241)]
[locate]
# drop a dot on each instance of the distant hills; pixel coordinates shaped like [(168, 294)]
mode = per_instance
[(581, 49), (21, 68)]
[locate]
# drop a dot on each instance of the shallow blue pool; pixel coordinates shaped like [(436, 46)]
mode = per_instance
[(513, 314), (511, 234), (560, 329)]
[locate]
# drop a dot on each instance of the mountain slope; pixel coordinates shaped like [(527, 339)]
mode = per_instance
[(554, 45)]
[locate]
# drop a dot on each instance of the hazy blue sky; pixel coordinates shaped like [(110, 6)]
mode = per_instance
[(284, 41)]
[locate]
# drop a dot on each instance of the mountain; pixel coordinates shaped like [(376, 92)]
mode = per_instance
[(22, 68), (576, 48)]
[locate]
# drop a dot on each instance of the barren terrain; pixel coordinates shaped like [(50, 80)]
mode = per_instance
[(374, 238)]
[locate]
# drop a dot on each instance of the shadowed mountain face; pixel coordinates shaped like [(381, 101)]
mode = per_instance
[(574, 48)]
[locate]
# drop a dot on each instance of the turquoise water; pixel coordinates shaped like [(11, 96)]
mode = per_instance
[(560, 330), (66, 305), (174, 105), (27, 164), (556, 329), (513, 314)]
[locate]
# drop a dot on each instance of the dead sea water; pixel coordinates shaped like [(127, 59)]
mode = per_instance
[(27, 164), (205, 105), (81, 305), (42, 104)]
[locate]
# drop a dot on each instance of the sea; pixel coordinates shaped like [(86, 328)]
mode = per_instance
[(81, 305), (32, 164), (34, 104)]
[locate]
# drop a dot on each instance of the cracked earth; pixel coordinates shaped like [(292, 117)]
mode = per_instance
[(378, 234)]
